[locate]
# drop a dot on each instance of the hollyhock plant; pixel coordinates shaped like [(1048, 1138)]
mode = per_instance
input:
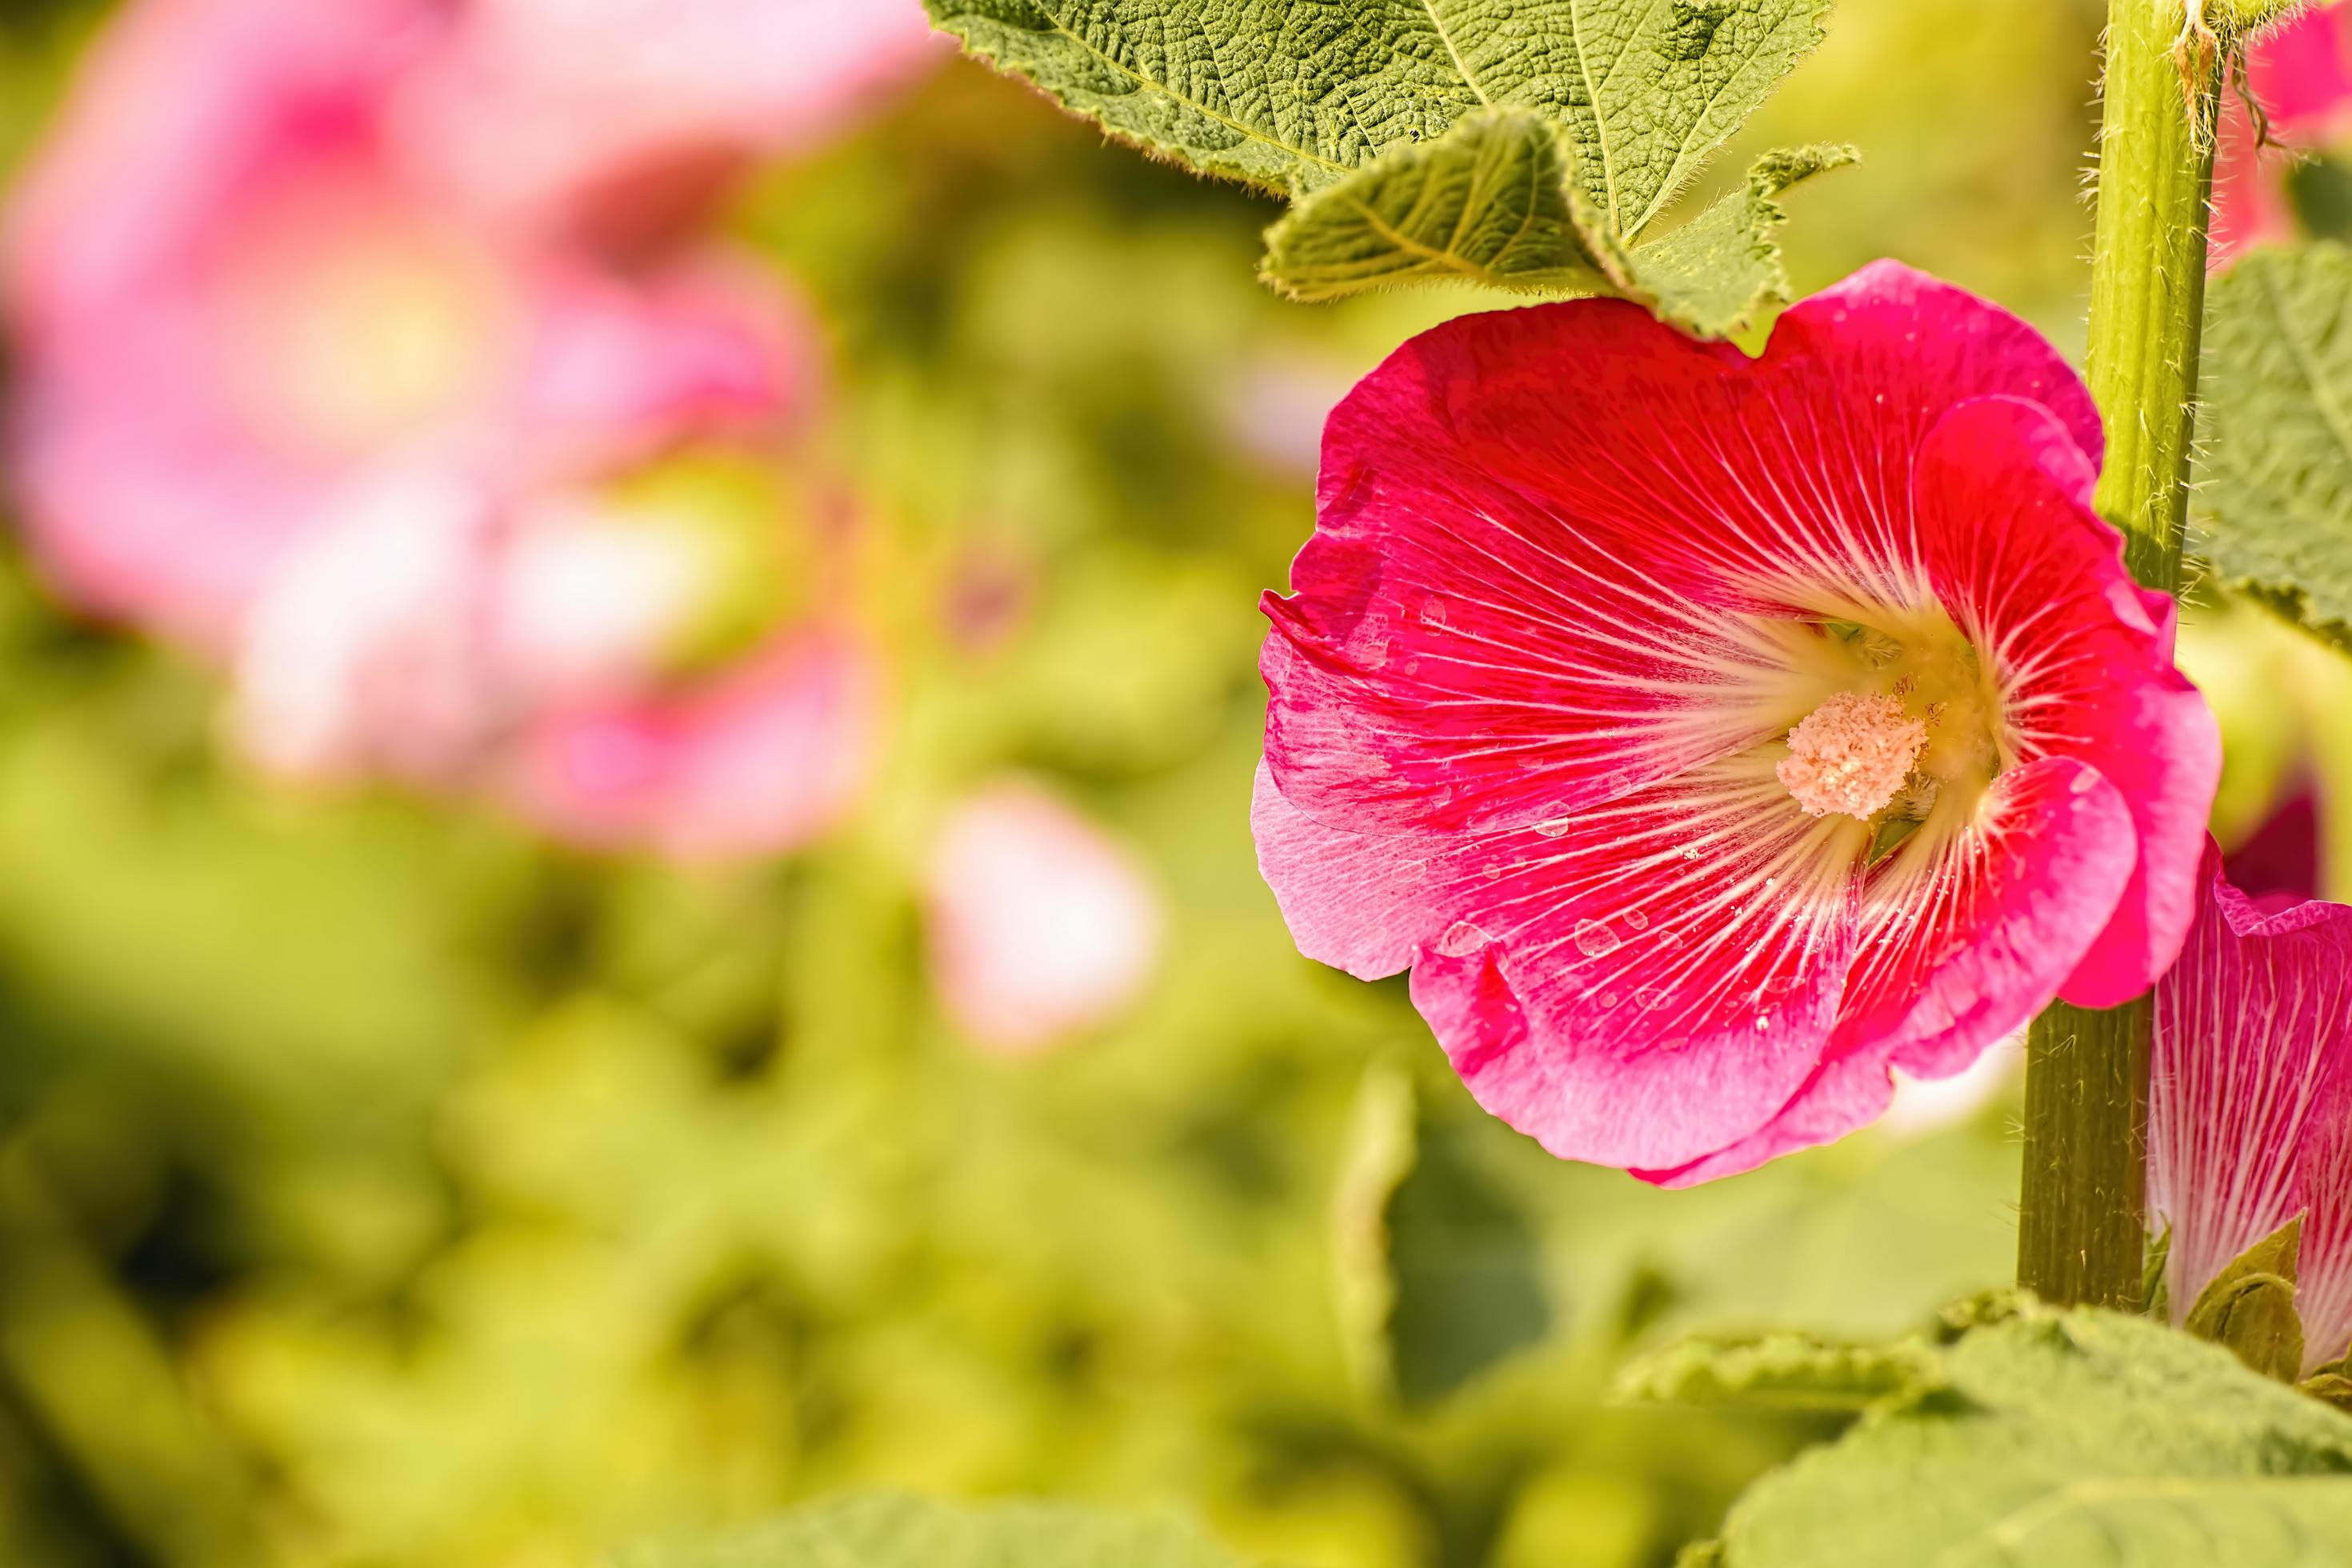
[(288, 400), (229, 298), (1711, 736), (2249, 1104), (1040, 925)]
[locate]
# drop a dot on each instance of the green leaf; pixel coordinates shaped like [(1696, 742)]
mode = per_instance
[(2249, 1306), (1529, 146), (1489, 203), (1494, 202), (2071, 1440), (1714, 273), (895, 1531), (1783, 1370), (2274, 488), (1440, 1274)]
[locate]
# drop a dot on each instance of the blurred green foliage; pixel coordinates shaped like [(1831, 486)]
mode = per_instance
[(378, 1187)]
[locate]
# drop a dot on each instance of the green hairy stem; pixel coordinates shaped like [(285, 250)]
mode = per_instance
[(2080, 1220)]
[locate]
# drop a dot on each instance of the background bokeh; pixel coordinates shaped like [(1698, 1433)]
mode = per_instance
[(384, 1182)]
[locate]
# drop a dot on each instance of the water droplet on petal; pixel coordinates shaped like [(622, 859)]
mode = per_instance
[(2085, 782), (1609, 999), (1668, 941), (1653, 997), (1637, 919), (1556, 827), (1432, 612), (1763, 1022), (1674, 1042), (1462, 938), (1596, 939)]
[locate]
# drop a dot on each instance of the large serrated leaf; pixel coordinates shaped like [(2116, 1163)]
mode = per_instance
[(1494, 201), (2274, 493), (1524, 143), (894, 1532), (2079, 1439), (1487, 203)]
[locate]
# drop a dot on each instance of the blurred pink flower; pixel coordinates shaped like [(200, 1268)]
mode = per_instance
[(1041, 927), (601, 118), (283, 397), (1712, 736), (2301, 73), (2249, 1109), (228, 299)]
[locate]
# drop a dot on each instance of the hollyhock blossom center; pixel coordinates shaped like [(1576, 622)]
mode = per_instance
[(1852, 754)]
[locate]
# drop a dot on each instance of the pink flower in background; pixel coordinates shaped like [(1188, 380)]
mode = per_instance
[(2249, 1110), (1041, 927), (2301, 74), (602, 117), (228, 299), (1712, 736), (288, 396)]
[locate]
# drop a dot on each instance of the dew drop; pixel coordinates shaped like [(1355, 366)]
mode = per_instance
[(1668, 941), (2084, 782), (1596, 939), (1609, 999), (1462, 938), (1491, 872), (1432, 613), (1763, 1022), (1674, 1042), (1637, 919), (1556, 826), (1652, 997)]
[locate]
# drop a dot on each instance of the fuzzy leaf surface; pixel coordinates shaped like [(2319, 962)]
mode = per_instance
[(898, 1532), (2082, 1438), (2275, 477), (1494, 202), (1526, 144)]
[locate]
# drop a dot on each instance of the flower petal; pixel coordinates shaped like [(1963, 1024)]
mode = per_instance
[(2085, 656), (1636, 985), (2254, 1036), (1958, 951)]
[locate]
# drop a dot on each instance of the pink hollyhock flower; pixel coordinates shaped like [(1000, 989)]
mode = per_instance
[(613, 116), (1711, 736), (230, 297), (2249, 1109), (1041, 927), (2301, 73)]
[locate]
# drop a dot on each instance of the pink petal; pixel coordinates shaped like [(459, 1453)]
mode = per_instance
[(1636, 984), (1963, 955), (1506, 613), (2248, 1107), (2006, 530)]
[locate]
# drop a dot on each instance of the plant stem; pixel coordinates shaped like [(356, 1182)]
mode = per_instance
[(2080, 1220)]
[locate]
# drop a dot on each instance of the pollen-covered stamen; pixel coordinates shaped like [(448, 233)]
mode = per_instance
[(1853, 755)]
